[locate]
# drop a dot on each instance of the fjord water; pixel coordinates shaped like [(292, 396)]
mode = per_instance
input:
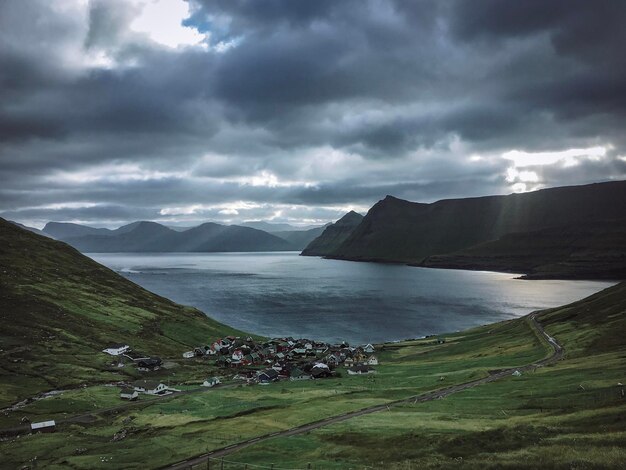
[(284, 294)]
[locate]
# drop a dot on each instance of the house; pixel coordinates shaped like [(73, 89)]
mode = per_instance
[(516, 373), (333, 359), (298, 374), (268, 375), (360, 370), (145, 365), (150, 387), (43, 426), (372, 361), (189, 354), (116, 349), (237, 355), (368, 348), (128, 393), (212, 382), (319, 371)]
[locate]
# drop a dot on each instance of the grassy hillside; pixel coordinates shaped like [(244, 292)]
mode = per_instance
[(60, 309), (333, 235), (543, 419), (597, 251), (567, 415), (402, 231)]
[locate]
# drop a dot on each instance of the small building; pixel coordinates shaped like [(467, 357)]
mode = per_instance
[(361, 370), (145, 365), (212, 382), (189, 354), (516, 373), (298, 374), (319, 371), (43, 426), (268, 375), (150, 387), (369, 349), (116, 349), (372, 361), (128, 393)]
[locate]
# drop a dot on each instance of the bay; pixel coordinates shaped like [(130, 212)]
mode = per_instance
[(284, 294)]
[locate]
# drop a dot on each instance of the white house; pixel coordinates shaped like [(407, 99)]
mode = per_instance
[(237, 355), (372, 361), (150, 387), (368, 348), (212, 382), (189, 354), (116, 349)]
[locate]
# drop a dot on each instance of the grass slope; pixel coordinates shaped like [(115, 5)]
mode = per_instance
[(568, 415), (60, 309)]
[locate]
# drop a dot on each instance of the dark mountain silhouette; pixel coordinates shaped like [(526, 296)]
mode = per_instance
[(395, 230), (333, 235)]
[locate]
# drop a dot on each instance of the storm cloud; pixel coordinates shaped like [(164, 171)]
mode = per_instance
[(297, 111)]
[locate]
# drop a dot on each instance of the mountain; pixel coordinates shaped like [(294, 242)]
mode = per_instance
[(333, 235), (401, 231), (61, 308), (273, 228), (63, 230), (592, 251), (300, 239), (212, 237), (153, 237)]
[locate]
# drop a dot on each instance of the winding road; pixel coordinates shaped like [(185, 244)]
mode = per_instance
[(557, 354)]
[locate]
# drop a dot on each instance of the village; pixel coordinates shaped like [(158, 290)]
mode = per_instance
[(247, 361)]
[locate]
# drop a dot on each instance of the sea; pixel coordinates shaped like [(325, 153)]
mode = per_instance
[(281, 294)]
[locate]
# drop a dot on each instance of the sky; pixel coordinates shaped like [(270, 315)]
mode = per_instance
[(298, 111)]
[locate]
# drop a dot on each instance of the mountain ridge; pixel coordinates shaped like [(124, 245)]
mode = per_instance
[(147, 236), (395, 230)]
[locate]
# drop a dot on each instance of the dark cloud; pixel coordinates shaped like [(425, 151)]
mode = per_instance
[(300, 108)]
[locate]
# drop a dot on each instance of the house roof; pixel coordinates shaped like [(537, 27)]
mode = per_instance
[(147, 384), (117, 346), (127, 391), (271, 373), (43, 424)]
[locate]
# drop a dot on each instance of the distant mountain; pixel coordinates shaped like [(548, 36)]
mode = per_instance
[(300, 239), (62, 230), (333, 235), (271, 227), (401, 231), (31, 229), (153, 237)]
